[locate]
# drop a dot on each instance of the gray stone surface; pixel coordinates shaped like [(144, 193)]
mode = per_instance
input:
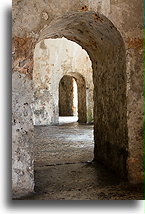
[(66, 143)]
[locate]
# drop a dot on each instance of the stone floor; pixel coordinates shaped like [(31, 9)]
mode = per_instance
[(66, 143), (64, 169)]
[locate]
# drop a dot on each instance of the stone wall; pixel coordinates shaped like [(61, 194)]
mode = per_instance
[(30, 18), (128, 18), (22, 130)]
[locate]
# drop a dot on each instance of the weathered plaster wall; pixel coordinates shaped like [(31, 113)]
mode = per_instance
[(31, 17), (128, 17), (22, 131), (54, 58), (66, 94)]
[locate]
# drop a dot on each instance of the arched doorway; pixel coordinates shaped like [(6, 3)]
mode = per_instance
[(51, 64), (56, 70), (105, 46), (67, 97)]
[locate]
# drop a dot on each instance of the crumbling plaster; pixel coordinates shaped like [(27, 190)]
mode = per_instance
[(22, 146)]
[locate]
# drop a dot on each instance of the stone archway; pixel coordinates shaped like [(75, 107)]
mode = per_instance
[(83, 109), (104, 44), (54, 58), (66, 95)]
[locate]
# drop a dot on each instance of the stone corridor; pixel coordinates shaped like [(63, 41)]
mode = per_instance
[(98, 46), (64, 167)]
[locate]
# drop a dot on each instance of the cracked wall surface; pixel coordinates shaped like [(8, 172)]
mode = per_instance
[(30, 18)]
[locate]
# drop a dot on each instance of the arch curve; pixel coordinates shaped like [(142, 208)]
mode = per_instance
[(90, 30), (54, 58), (105, 46)]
